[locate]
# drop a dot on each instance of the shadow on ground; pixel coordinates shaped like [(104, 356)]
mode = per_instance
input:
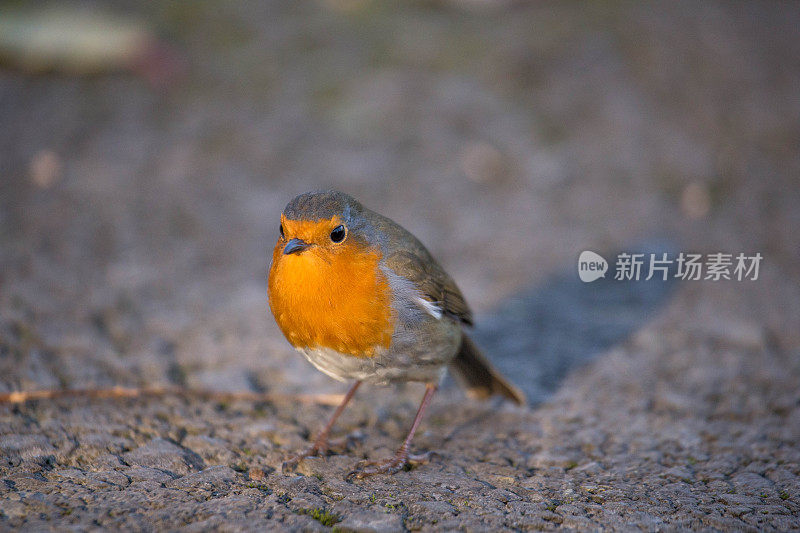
[(539, 335)]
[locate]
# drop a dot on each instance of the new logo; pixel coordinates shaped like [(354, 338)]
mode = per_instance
[(591, 266)]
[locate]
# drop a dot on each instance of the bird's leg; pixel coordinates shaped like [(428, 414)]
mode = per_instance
[(321, 443), (402, 457)]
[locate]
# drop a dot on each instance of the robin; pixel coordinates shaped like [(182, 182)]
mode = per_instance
[(363, 300)]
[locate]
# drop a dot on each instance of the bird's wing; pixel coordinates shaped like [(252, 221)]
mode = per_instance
[(432, 281), (409, 258)]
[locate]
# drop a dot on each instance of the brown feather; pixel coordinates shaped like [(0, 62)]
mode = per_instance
[(409, 258), (433, 282), (476, 374)]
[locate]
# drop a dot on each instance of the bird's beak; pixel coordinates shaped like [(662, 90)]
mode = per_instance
[(295, 246)]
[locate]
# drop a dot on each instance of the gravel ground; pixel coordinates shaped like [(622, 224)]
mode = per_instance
[(136, 224)]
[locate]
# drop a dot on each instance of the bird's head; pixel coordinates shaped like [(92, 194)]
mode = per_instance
[(326, 286), (320, 225)]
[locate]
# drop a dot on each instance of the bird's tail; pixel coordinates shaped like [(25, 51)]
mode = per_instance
[(474, 372)]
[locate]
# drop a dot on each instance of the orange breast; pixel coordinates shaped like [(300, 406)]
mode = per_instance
[(340, 301)]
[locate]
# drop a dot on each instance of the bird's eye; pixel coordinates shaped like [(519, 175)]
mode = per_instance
[(281, 230), (338, 234)]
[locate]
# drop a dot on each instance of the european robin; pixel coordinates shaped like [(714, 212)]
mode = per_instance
[(363, 300)]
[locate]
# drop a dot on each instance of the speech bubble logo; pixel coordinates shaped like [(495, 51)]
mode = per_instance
[(591, 266)]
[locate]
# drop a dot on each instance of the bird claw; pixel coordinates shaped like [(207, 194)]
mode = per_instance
[(318, 448), (372, 468), (420, 458), (391, 465)]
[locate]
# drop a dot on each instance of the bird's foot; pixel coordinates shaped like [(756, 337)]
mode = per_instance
[(391, 465), (318, 448)]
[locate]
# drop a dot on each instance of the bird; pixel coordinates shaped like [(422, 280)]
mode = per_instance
[(364, 301)]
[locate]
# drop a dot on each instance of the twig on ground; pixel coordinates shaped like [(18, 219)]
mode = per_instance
[(134, 392)]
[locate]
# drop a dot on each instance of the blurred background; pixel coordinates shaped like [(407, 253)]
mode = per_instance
[(148, 148)]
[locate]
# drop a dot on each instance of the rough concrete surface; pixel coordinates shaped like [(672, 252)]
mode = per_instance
[(136, 223)]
